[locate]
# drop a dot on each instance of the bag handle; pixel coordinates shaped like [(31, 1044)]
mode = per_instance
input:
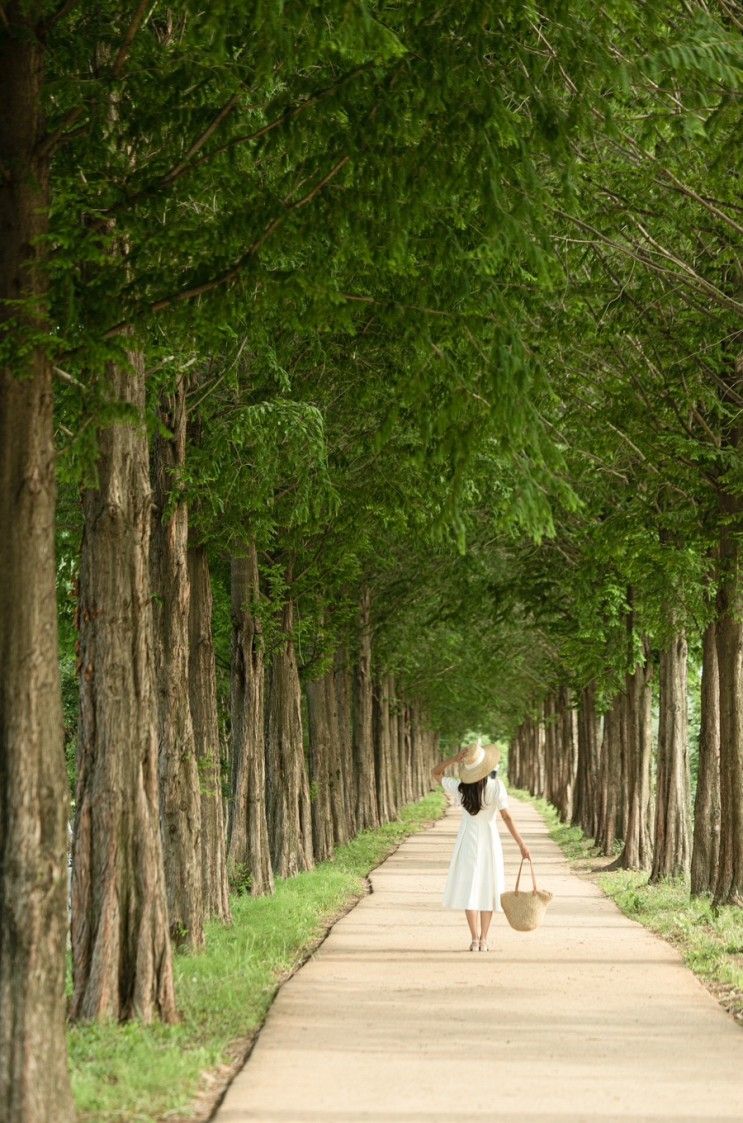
[(533, 878)]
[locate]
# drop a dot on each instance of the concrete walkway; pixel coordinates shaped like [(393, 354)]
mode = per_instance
[(590, 1018)]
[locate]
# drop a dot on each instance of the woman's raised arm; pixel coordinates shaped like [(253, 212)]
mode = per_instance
[(438, 771)]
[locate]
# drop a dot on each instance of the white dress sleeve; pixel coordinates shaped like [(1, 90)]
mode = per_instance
[(501, 795), (451, 787)]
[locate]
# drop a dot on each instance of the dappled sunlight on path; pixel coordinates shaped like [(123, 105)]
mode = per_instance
[(591, 1018)]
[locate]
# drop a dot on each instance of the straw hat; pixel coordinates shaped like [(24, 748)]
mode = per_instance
[(480, 760)]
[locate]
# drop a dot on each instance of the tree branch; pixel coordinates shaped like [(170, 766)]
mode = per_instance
[(227, 276)]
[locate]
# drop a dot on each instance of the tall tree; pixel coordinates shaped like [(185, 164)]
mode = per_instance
[(34, 1084), (249, 841), (180, 797), (122, 965)]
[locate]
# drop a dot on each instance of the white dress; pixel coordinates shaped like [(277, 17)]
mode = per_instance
[(476, 878)]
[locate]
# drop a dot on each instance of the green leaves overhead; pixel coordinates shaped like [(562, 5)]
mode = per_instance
[(456, 289)]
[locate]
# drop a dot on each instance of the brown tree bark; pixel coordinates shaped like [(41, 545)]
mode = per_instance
[(405, 751), (383, 750), (34, 801), (180, 797), (322, 766), (672, 850), (706, 842), (566, 745), (343, 690), (249, 849), (289, 814), (609, 777), (338, 793), (367, 811), (586, 777), (551, 768), (203, 699), (637, 853), (120, 937), (729, 887), (394, 710)]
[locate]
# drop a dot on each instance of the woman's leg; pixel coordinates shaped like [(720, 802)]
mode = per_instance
[(485, 918), (472, 919)]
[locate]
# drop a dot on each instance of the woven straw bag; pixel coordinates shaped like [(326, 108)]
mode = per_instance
[(525, 911)]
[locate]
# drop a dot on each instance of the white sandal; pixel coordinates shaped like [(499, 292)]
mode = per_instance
[(475, 945), (484, 945)]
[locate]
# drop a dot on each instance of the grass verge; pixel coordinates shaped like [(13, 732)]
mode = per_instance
[(710, 940), (139, 1074)]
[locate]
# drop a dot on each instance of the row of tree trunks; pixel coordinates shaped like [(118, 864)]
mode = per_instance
[(180, 797), (34, 1083), (404, 754), (655, 832)]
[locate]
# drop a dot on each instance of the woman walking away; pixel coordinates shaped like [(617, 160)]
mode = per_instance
[(476, 878)]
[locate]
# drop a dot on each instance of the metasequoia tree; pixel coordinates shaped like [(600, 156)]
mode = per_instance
[(34, 1084), (120, 930), (180, 796), (203, 701), (248, 838)]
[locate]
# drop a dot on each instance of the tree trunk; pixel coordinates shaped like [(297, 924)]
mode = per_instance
[(383, 750), (249, 852), (637, 853), (338, 793), (398, 798), (120, 938), (609, 778), (566, 761), (367, 812), (289, 815), (706, 847), (180, 798), (343, 689), (34, 801), (551, 751), (729, 887), (322, 767), (586, 779), (672, 837), (203, 699)]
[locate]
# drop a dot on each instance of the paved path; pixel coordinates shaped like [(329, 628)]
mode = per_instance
[(591, 1018)]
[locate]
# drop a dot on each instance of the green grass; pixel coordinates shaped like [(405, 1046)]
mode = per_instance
[(709, 939), (136, 1074)]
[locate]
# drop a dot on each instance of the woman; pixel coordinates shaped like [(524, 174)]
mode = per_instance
[(476, 878)]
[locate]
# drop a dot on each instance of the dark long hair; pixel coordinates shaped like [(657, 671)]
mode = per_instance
[(472, 795)]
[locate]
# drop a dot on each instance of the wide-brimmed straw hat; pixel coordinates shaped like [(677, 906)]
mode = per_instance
[(480, 760)]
